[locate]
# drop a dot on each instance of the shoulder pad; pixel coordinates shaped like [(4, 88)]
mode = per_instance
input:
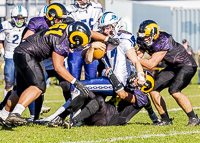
[(96, 4), (71, 8), (6, 25)]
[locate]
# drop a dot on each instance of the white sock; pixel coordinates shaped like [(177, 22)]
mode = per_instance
[(4, 114), (5, 92), (19, 109), (60, 110)]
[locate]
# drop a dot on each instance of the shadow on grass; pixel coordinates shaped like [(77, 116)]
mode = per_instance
[(139, 123)]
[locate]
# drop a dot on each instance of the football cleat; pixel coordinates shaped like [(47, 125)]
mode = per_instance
[(154, 118), (45, 109), (57, 121), (163, 122), (68, 124), (41, 122), (193, 121), (15, 119), (30, 119)]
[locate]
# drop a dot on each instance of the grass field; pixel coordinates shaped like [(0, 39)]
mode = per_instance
[(138, 130)]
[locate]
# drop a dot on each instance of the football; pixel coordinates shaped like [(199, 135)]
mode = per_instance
[(99, 53)]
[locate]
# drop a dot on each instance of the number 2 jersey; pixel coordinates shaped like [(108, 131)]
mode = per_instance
[(12, 37), (42, 44), (89, 16)]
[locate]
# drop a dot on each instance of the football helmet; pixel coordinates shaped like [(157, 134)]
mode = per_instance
[(109, 19), (56, 11), (148, 29), (79, 34), (82, 3), (149, 84), (19, 15), (43, 11)]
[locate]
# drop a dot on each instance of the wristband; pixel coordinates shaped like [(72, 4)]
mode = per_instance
[(141, 76), (106, 39), (73, 81)]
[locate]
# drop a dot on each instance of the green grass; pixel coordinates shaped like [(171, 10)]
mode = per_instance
[(138, 130)]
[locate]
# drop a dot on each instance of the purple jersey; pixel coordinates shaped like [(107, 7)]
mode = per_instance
[(176, 54), (37, 24), (42, 44)]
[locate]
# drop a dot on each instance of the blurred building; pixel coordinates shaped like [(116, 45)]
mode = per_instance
[(179, 18)]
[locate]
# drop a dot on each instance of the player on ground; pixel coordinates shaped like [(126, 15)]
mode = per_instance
[(180, 69)]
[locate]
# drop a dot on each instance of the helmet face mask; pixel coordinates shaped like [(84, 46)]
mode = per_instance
[(56, 12), (82, 3), (107, 20), (79, 34), (19, 15), (148, 31)]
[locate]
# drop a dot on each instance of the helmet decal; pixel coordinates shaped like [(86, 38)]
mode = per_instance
[(82, 35)]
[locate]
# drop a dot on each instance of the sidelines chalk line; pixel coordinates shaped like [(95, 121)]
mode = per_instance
[(174, 133)]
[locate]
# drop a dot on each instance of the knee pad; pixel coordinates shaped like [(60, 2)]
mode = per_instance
[(93, 106), (141, 98)]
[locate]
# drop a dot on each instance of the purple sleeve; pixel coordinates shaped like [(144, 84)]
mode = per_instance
[(31, 25), (162, 44), (62, 49)]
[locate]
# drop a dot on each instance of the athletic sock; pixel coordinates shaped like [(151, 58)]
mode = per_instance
[(67, 95), (19, 109), (4, 114), (5, 92), (38, 106), (31, 108), (165, 117), (191, 114), (59, 111), (3, 103)]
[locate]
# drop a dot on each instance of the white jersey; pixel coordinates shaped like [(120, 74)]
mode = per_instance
[(12, 37), (117, 56), (89, 16)]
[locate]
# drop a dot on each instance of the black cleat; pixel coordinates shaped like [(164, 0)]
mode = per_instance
[(193, 121), (15, 119), (57, 121), (68, 124), (163, 122)]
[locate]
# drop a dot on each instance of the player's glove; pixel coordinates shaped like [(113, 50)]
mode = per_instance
[(113, 41), (83, 89)]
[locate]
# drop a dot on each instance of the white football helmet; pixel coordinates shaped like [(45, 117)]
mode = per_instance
[(82, 3), (109, 19), (43, 11), (19, 15)]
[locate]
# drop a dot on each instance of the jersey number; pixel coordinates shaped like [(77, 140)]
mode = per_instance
[(58, 32), (16, 37), (90, 22)]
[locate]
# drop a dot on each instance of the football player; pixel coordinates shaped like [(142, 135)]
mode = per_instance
[(118, 58), (180, 69), (11, 33), (87, 12), (55, 42)]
